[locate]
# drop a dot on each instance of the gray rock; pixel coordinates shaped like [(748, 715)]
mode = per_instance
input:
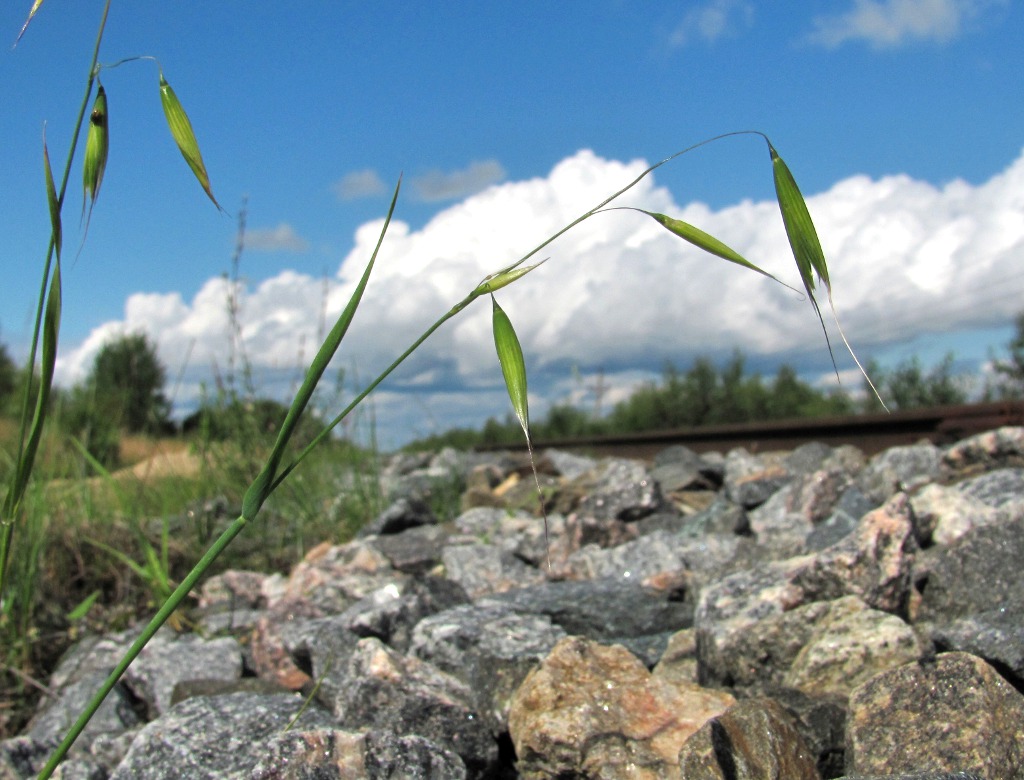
[(808, 458), (979, 572), (330, 578), (118, 713), (996, 489), (569, 465), (376, 755), (779, 532), (391, 613), (900, 469), (996, 635), (213, 737), (621, 489), (404, 513), (830, 531), (722, 516), (595, 711), (821, 722), (943, 514), (385, 690), (750, 480), (955, 712), (23, 757), (491, 648), (603, 609), (850, 645), (165, 662), (387, 642), (753, 739), (415, 550), (482, 569), (680, 468), (748, 625), (1001, 448), (853, 504), (649, 555), (917, 776)]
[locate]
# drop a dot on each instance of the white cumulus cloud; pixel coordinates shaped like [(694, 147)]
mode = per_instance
[(714, 20), (437, 185), (282, 238), (892, 23), (366, 183), (619, 295)]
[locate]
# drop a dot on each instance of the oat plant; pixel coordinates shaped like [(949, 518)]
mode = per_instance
[(279, 465)]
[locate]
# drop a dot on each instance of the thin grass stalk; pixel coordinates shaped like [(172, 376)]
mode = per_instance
[(26, 452), (486, 286), (154, 625), (257, 493)]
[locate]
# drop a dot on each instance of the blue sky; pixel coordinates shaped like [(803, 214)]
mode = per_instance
[(901, 119)]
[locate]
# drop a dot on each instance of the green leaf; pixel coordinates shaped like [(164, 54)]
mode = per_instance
[(513, 367), (184, 136), (84, 606), (268, 479), (53, 202)]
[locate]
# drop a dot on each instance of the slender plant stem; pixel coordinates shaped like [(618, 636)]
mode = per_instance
[(283, 475), (25, 458), (154, 625)]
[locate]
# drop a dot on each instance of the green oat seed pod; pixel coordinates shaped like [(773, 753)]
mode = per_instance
[(513, 366), (184, 136), (97, 146), (803, 238), (704, 241)]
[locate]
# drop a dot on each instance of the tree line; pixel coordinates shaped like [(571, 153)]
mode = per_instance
[(710, 394), (124, 392)]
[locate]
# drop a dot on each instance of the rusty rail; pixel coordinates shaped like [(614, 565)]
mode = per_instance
[(870, 432)]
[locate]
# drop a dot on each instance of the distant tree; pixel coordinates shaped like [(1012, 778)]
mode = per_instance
[(127, 382), (565, 421), (92, 426), (1011, 371), (908, 386), (789, 397), (8, 378), (252, 422)]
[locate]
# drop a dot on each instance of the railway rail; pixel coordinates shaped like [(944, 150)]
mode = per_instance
[(872, 433)]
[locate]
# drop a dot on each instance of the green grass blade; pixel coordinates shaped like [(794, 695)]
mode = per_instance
[(513, 366), (83, 607), (267, 481), (184, 136), (53, 202), (51, 329), (142, 572)]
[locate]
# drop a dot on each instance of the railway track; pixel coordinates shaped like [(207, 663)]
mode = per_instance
[(872, 433)]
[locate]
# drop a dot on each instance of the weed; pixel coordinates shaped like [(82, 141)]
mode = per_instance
[(277, 461)]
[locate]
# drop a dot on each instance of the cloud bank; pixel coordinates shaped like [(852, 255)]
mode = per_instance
[(619, 294)]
